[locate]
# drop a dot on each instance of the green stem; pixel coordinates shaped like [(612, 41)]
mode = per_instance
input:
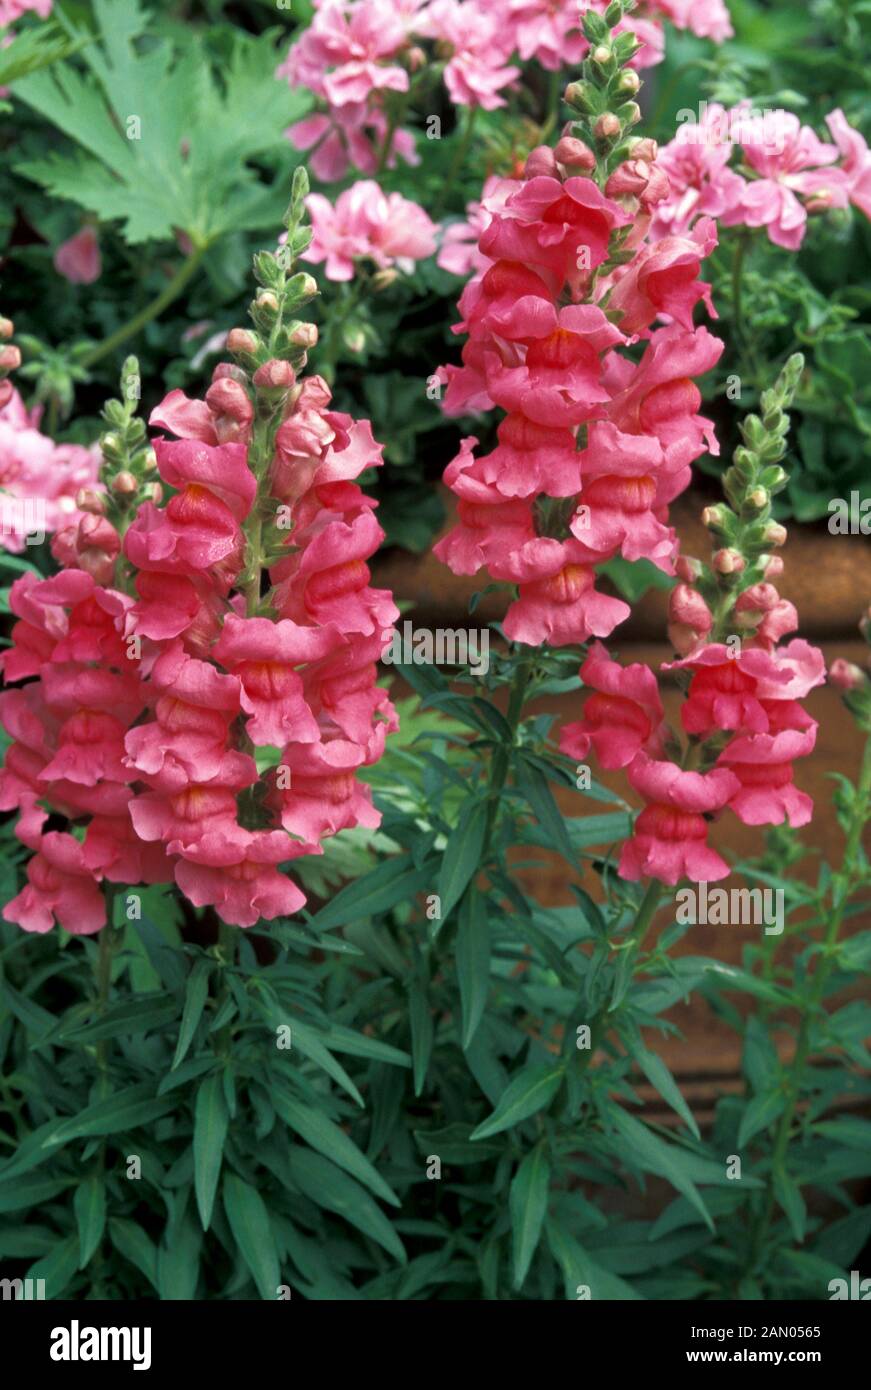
[(459, 159), (151, 311), (842, 885), (502, 757)]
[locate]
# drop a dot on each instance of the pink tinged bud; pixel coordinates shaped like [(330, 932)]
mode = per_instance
[(87, 500), (7, 328), (240, 341), (775, 534), (541, 161), (846, 676), (628, 179), (96, 533), (10, 358), (759, 598), (305, 335), (608, 126), (686, 606), (230, 371), (574, 154), (774, 567), (728, 562), (228, 397), (124, 484), (629, 82), (759, 497), (78, 259), (275, 375), (155, 494), (601, 54), (712, 517), (416, 58), (687, 568), (267, 300), (646, 149)]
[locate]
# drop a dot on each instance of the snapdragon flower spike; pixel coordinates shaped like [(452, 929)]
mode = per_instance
[(594, 445), (233, 612)]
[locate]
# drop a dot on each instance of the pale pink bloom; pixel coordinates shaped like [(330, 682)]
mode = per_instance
[(344, 53), (459, 252), (548, 31), (349, 135), (78, 259), (790, 161), (700, 180), (39, 479), (855, 160), (477, 70), (10, 10), (709, 19), (367, 224)]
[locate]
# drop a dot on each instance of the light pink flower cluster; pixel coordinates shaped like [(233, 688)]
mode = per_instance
[(356, 52), (787, 173), (12, 10), (742, 704), (78, 259), (594, 446), (366, 224), (39, 480), (159, 681)]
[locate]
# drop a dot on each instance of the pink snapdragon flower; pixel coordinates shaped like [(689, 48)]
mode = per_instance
[(855, 160), (367, 224), (622, 718), (669, 841)]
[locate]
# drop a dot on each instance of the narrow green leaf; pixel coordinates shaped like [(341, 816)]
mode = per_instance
[(394, 881), (533, 785), (473, 962), (249, 1222), (58, 1267), (325, 1136), (661, 1079), (130, 1240), (761, 1111), (584, 1278), (656, 1156), (210, 1131), (196, 993), (529, 1091), (326, 1185), (178, 1261), (89, 1205), (462, 855), (123, 1110), (527, 1203), (788, 1194), (420, 1019)]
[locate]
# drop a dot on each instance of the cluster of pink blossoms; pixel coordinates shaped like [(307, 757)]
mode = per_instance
[(39, 480), (12, 10), (366, 224), (592, 449), (158, 681), (788, 173), (355, 52)]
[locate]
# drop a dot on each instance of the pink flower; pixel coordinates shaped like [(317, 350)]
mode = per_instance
[(709, 19), (10, 10), (366, 224), (39, 480), (855, 160), (60, 886), (563, 608), (626, 487), (789, 159), (237, 873), (663, 279), (344, 54), (623, 717), (477, 70), (78, 259), (459, 252), (547, 32), (669, 841), (762, 764), (660, 398), (550, 224), (700, 181), (324, 796), (263, 655), (349, 135)]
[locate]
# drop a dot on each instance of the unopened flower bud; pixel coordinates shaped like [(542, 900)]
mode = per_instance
[(7, 328), (645, 148), (306, 284), (88, 500), (759, 497), (149, 460), (773, 566), (155, 494), (416, 58), (6, 390), (383, 279), (574, 154), (267, 300), (124, 484), (110, 442), (274, 375), (775, 534), (608, 126), (687, 568), (629, 179), (631, 112), (713, 518), (10, 358), (846, 676), (541, 160), (305, 335), (728, 561), (629, 82), (689, 618), (240, 341), (229, 397), (601, 54)]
